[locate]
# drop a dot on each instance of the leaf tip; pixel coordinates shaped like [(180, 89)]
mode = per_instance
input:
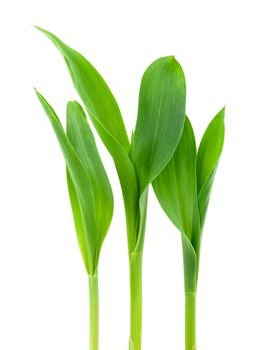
[(221, 114), (40, 29)]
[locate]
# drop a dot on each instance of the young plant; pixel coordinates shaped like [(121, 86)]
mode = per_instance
[(183, 190), (159, 126), (90, 195)]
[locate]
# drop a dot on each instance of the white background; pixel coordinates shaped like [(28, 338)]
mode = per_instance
[(43, 284)]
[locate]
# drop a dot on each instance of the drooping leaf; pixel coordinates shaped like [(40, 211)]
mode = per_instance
[(207, 159), (86, 207), (160, 121)]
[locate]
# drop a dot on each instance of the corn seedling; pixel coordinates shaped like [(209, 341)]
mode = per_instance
[(183, 190), (90, 195), (161, 116)]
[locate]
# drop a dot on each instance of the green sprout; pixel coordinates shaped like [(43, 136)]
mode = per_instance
[(90, 196)]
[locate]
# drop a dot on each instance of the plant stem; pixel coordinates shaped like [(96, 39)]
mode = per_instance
[(94, 312), (135, 301), (190, 318)]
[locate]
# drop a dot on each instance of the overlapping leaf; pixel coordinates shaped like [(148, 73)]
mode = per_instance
[(176, 191), (158, 130), (89, 188), (183, 189), (106, 117)]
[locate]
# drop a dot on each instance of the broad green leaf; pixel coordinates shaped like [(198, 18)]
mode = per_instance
[(84, 205), (175, 187), (176, 191), (82, 140), (94, 92), (207, 159), (161, 116)]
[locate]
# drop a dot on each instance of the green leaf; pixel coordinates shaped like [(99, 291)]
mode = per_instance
[(161, 116), (207, 160), (78, 221), (176, 192), (183, 189), (82, 140), (94, 92), (87, 207), (106, 117), (175, 187)]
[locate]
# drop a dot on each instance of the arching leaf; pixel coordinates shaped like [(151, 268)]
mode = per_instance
[(94, 91)]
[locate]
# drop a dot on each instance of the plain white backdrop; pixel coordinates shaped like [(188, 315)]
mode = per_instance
[(43, 284)]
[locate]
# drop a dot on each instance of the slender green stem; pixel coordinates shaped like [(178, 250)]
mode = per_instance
[(190, 318), (94, 312), (135, 301)]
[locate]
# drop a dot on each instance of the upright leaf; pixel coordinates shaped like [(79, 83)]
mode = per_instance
[(175, 189), (161, 116), (82, 140), (207, 159), (84, 197)]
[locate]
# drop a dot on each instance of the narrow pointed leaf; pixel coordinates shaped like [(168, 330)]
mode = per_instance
[(207, 160), (160, 119)]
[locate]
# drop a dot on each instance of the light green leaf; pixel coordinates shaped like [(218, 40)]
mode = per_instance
[(78, 221), (82, 140), (160, 119), (207, 160), (175, 187), (106, 117), (94, 92), (86, 207), (176, 191)]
